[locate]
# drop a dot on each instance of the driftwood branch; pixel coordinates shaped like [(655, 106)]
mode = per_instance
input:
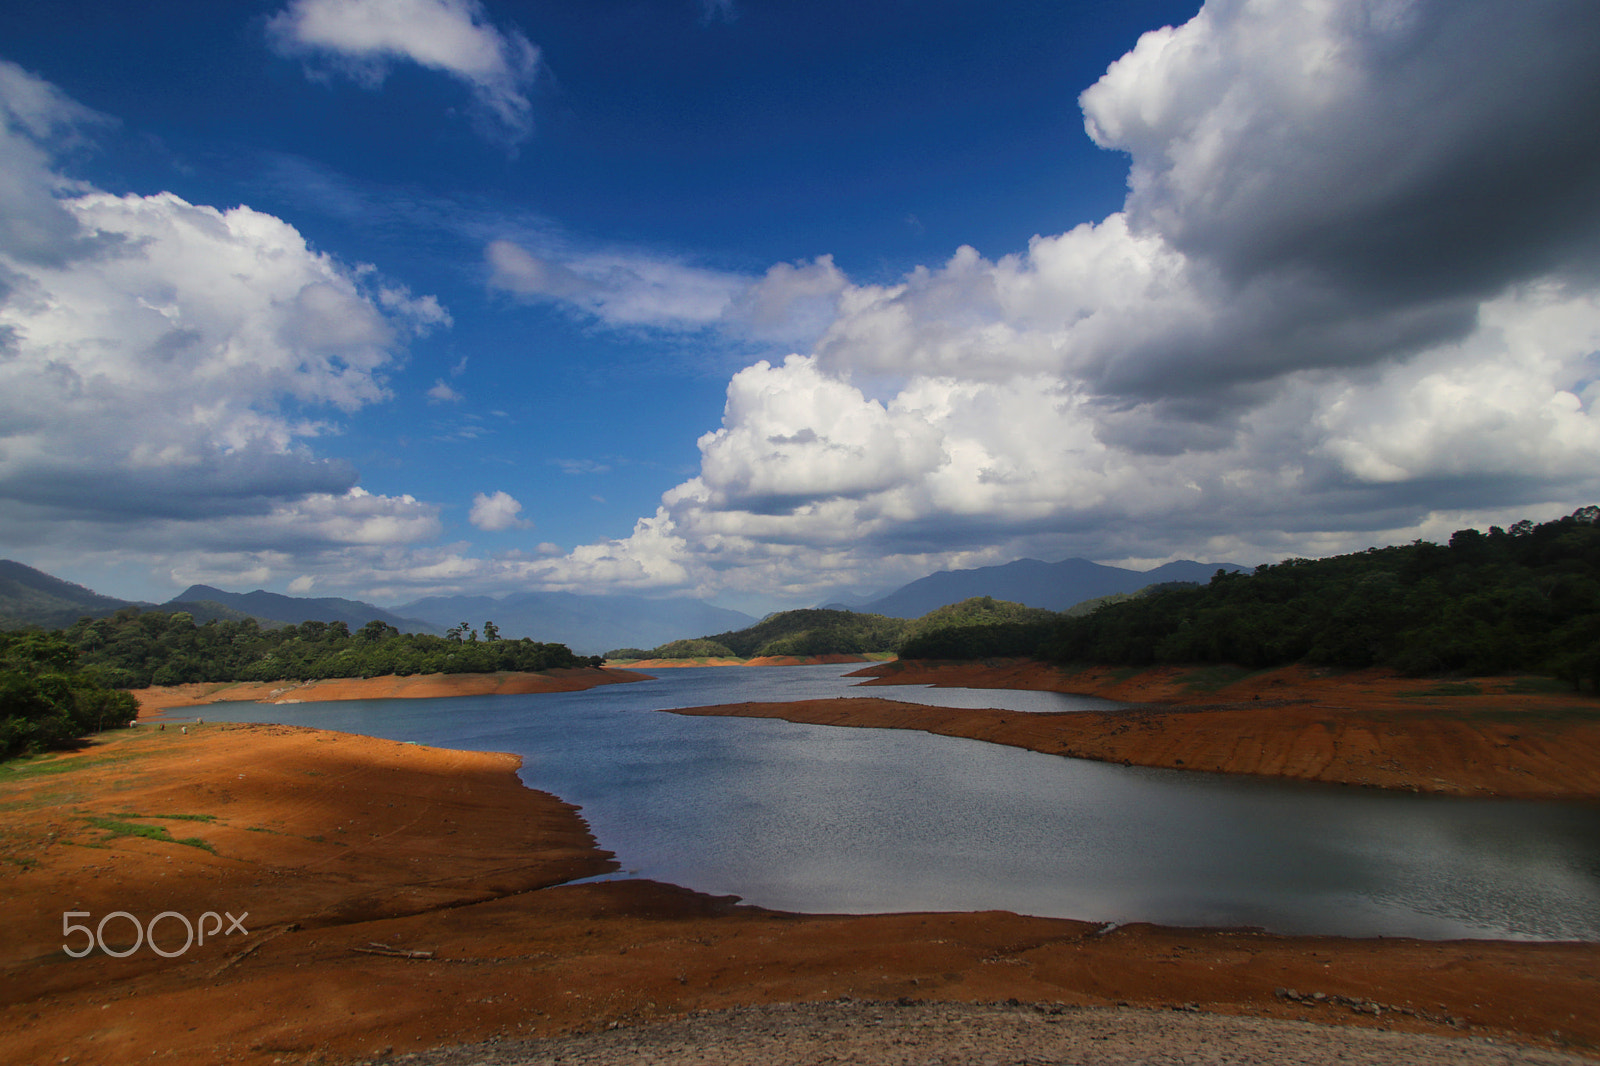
[(394, 953)]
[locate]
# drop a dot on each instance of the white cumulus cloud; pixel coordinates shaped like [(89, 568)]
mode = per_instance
[(494, 512), (1351, 299), (166, 367), (362, 38)]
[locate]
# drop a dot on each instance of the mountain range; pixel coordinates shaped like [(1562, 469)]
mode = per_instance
[(1053, 586), (204, 602), (589, 625), (30, 597)]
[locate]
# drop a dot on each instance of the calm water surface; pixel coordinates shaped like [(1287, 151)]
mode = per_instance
[(824, 819)]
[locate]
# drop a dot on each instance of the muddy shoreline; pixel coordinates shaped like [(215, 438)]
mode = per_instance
[(401, 897)]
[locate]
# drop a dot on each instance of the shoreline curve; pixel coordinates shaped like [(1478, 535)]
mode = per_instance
[(401, 897)]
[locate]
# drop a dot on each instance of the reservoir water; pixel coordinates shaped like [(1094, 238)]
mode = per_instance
[(840, 820)]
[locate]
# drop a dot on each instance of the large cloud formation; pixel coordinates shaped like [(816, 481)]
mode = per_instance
[(164, 367), (1353, 295)]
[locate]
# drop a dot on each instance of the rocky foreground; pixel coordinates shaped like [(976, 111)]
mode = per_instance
[(908, 1033)]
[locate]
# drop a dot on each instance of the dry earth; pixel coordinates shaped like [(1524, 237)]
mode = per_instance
[(400, 898)]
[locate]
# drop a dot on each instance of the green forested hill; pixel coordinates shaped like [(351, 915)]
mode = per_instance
[(977, 628), (1523, 599), (30, 597), (824, 631), (814, 631)]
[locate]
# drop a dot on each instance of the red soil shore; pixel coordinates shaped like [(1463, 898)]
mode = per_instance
[(334, 844), (1478, 737), (331, 844)]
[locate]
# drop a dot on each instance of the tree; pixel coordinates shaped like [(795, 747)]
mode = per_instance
[(376, 630), (46, 700)]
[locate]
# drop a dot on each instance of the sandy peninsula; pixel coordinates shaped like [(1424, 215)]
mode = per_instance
[(1510, 737), (400, 897)]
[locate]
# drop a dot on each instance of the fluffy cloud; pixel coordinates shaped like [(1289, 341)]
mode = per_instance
[(652, 557), (1394, 150), (362, 38), (497, 512), (165, 366), (792, 436), (1351, 299)]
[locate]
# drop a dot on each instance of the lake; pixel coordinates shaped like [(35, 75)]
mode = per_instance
[(839, 820)]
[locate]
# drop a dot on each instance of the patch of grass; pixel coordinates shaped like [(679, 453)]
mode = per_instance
[(112, 827), (1448, 688), (24, 766), (130, 829)]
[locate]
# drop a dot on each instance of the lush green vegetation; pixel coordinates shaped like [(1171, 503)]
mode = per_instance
[(47, 699), (978, 628), (690, 649), (947, 632), (629, 654), (1523, 599), (814, 631), (134, 648)]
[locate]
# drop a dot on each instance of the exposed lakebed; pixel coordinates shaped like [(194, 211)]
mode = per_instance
[(824, 819)]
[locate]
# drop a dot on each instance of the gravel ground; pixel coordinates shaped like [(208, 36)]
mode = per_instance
[(946, 1034)]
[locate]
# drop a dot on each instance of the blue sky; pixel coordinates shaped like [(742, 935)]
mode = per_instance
[(763, 302)]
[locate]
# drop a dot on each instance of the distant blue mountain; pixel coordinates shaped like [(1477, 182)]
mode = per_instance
[(1054, 586), (292, 610), (589, 625)]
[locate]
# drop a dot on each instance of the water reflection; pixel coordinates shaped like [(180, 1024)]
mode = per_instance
[(823, 819)]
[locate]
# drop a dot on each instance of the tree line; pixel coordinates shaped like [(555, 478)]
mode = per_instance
[(134, 649), (1520, 599), (57, 687), (1523, 599)]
